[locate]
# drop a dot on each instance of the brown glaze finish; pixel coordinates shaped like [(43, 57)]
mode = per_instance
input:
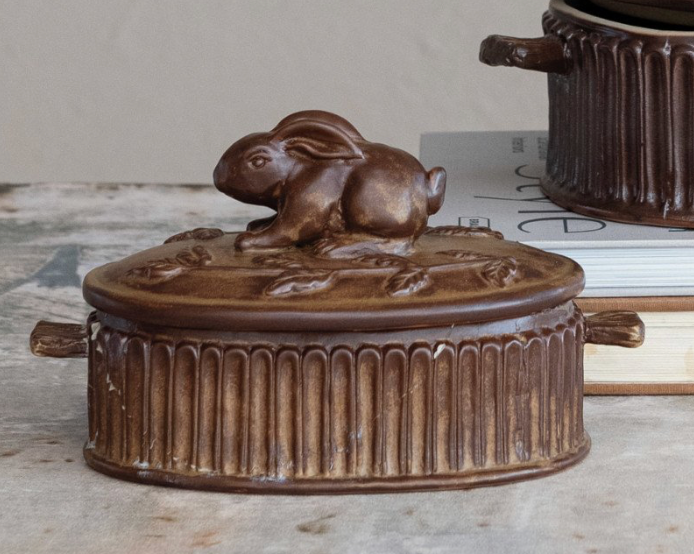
[(621, 133), (329, 187), (320, 412), (367, 353), (616, 328), (537, 54), (59, 340), (452, 276)]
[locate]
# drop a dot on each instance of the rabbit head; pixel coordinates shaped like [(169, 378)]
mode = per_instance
[(257, 168)]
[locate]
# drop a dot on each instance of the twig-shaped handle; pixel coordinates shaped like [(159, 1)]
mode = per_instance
[(59, 340), (545, 54), (616, 329)]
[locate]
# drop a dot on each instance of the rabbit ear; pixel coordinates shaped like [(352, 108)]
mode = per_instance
[(321, 116), (318, 140)]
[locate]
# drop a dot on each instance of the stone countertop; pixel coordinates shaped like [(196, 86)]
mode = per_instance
[(634, 493)]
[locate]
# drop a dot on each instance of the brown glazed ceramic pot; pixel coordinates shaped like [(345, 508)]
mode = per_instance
[(224, 362), (621, 114)]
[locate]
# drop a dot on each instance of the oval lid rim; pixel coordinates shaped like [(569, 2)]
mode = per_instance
[(564, 282)]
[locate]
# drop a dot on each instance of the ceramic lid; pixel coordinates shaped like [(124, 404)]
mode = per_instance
[(453, 276), (348, 249)]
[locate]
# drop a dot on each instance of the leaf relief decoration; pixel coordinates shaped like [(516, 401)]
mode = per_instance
[(456, 231), (382, 260), (406, 277), (499, 271), (279, 260), (165, 269), (201, 233), (467, 256), (291, 283), (409, 278), (297, 279), (407, 281)]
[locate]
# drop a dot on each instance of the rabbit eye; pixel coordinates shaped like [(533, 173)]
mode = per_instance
[(258, 161)]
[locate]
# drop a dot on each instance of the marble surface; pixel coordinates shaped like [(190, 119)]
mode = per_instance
[(634, 493)]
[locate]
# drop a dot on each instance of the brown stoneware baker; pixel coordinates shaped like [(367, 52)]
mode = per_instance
[(621, 95), (343, 347)]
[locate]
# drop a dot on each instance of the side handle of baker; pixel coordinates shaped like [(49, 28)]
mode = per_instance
[(547, 54), (59, 340), (615, 328)]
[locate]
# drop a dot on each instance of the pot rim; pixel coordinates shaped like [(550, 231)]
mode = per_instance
[(563, 10)]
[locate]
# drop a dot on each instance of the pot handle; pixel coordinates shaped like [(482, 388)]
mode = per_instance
[(616, 329), (545, 54), (59, 340)]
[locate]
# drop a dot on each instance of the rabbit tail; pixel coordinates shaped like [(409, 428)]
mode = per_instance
[(436, 189)]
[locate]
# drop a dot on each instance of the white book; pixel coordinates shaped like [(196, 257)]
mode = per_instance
[(666, 358), (493, 181)]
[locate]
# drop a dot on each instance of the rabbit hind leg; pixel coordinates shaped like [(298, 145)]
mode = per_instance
[(396, 209)]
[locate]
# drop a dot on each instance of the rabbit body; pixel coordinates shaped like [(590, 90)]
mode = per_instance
[(330, 187)]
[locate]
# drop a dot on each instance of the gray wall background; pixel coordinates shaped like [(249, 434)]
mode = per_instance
[(136, 90)]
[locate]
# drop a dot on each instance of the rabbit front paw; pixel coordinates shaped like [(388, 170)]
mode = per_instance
[(262, 240), (245, 241)]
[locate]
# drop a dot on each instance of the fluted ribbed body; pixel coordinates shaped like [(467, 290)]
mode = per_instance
[(622, 123), (430, 408)]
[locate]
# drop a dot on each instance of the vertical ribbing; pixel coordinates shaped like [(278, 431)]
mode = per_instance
[(622, 125), (292, 412)]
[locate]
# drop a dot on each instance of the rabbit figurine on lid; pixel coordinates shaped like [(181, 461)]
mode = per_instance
[(329, 185)]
